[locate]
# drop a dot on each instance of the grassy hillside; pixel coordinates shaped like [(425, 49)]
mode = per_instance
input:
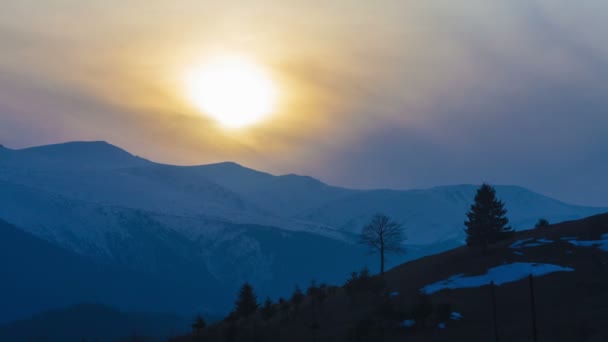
[(570, 305)]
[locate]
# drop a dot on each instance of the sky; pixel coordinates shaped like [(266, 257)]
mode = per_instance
[(373, 94)]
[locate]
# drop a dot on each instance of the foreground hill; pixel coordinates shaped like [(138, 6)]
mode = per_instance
[(92, 322), (212, 227), (570, 266)]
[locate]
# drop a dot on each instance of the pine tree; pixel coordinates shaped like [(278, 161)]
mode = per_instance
[(268, 309), (487, 221), (297, 297), (246, 303)]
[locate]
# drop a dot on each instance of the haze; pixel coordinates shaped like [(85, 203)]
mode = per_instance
[(399, 94)]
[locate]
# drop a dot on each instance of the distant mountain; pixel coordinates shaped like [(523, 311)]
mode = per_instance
[(135, 261), (286, 195), (437, 215), (93, 322), (216, 226), (38, 275), (74, 155)]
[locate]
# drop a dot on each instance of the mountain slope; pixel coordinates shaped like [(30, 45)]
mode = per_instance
[(92, 322), (74, 155), (437, 214), (140, 257), (38, 275), (285, 195)]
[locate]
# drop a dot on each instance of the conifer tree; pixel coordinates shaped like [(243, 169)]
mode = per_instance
[(487, 221), (297, 297), (246, 303), (268, 309)]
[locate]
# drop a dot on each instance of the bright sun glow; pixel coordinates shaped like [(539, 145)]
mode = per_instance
[(233, 91)]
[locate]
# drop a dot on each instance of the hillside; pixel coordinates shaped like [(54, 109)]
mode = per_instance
[(569, 260), (92, 322)]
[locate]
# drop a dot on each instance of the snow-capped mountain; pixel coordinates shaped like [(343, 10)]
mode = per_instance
[(222, 224)]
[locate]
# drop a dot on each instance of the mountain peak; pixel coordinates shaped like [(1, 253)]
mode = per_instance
[(73, 145), (83, 153)]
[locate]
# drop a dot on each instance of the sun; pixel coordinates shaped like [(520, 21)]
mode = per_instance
[(234, 91)]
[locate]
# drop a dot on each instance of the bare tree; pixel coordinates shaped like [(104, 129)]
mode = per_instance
[(383, 236)]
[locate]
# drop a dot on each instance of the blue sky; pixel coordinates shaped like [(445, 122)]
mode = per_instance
[(401, 94)]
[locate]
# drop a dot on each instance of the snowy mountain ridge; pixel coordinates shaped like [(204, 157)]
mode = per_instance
[(224, 223)]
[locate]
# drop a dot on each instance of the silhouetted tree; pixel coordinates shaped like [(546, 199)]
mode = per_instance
[(268, 309), (313, 289), (246, 303), (487, 221), (297, 296), (199, 325), (542, 223), (383, 236)]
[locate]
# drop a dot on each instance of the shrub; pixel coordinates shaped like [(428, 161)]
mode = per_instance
[(542, 223), (363, 282)]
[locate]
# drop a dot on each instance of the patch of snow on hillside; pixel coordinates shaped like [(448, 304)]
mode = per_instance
[(601, 244), (499, 275), (531, 242), (408, 323), (456, 316)]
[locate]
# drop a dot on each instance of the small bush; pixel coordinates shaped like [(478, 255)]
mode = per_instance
[(542, 223), (363, 282), (199, 325)]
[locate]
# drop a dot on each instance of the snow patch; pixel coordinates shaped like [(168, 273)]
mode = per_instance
[(455, 316), (601, 244), (499, 275), (408, 323), (531, 242)]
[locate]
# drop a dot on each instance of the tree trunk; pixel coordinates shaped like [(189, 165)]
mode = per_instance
[(382, 260)]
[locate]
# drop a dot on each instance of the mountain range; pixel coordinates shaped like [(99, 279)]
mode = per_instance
[(90, 222)]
